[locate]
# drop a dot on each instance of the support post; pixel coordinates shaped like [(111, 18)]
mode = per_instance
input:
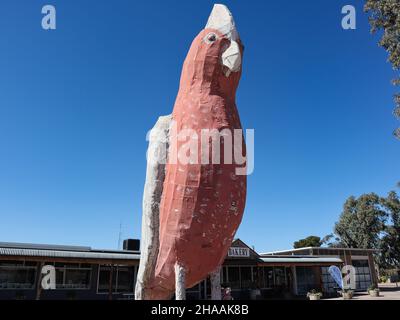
[(39, 280), (180, 282), (215, 279), (110, 283), (294, 273)]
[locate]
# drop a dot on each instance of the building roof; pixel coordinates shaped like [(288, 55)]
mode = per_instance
[(301, 260), (314, 248), (56, 251), (43, 246), (82, 252)]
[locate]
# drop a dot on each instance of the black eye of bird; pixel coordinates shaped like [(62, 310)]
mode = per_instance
[(212, 37)]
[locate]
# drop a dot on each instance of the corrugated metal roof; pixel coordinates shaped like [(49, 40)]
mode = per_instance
[(42, 246), (67, 254), (315, 248), (302, 260)]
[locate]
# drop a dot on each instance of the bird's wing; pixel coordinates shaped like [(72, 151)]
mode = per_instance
[(155, 175)]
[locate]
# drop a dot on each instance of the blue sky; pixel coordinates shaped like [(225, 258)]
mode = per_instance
[(76, 103)]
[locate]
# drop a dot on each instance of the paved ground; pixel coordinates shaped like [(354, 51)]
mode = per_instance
[(388, 292)]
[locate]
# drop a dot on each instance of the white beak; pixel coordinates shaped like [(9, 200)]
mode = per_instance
[(221, 19)]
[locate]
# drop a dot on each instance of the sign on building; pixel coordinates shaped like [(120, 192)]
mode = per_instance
[(49, 278), (237, 252)]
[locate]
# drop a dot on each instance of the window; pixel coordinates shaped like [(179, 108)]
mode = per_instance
[(194, 293), (77, 279), (72, 276), (195, 289), (123, 279), (245, 274), (104, 280), (224, 277), (17, 277), (328, 283), (306, 280), (234, 277), (268, 277), (258, 277), (11, 263), (363, 274), (280, 278)]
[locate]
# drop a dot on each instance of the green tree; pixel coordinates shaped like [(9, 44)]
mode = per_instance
[(390, 242), (362, 222), (332, 241), (384, 15), (311, 241)]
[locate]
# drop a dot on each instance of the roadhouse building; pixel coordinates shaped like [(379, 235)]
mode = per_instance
[(85, 273)]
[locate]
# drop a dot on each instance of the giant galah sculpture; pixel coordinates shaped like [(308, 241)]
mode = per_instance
[(192, 209)]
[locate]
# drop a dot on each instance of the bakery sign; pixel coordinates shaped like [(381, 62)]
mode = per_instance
[(237, 252)]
